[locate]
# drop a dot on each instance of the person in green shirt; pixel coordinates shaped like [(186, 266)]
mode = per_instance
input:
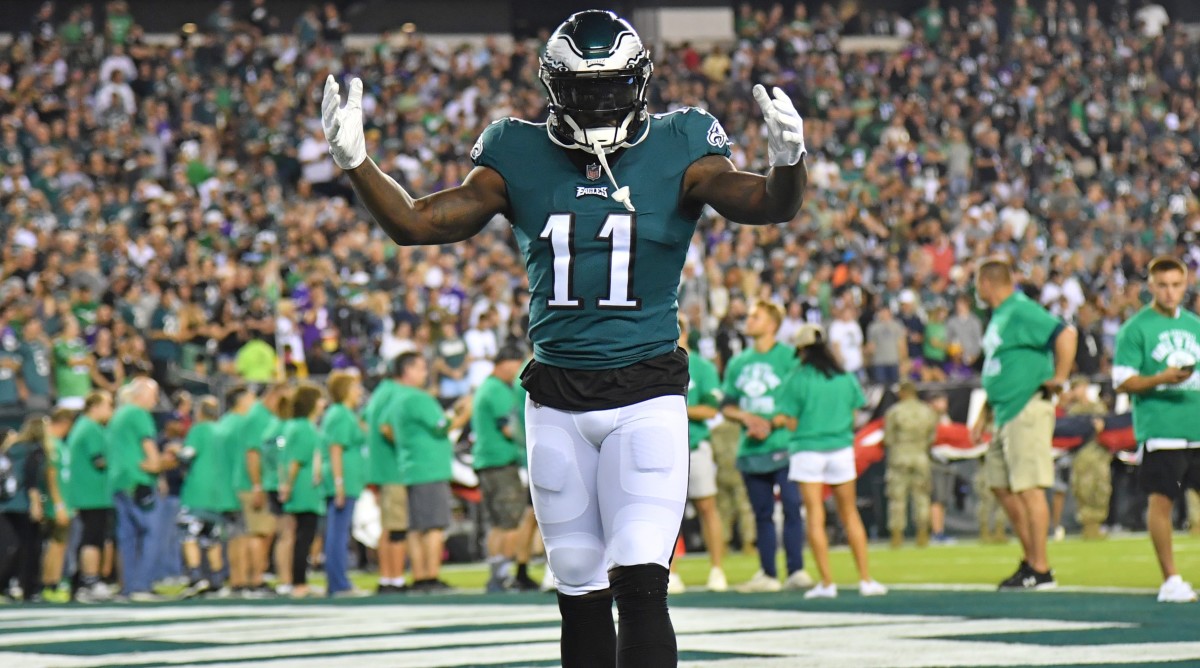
[(383, 471), (205, 499), (301, 489), (88, 491), (497, 457), (253, 477), (753, 381), (58, 511), (343, 444), (235, 436), (72, 366), (133, 468), (1155, 362), (818, 404), (256, 362), (36, 367), (1028, 355), (703, 402), (424, 454), (264, 468)]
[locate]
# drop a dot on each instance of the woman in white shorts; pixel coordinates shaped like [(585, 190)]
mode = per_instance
[(819, 401)]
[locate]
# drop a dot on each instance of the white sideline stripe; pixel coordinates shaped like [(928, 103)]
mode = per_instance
[(1073, 589)]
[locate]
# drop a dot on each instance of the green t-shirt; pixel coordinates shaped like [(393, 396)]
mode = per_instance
[(423, 453), (754, 381), (1147, 344), (935, 332), (704, 389), (233, 439), (340, 425), (72, 374), (1018, 348), (129, 427), (253, 428), (60, 459), (271, 447), (303, 446), (381, 455), (88, 488), (823, 407), (206, 484), (495, 407)]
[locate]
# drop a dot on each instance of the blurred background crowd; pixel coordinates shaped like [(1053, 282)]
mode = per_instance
[(171, 208)]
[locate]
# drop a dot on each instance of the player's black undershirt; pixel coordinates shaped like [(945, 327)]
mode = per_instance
[(603, 389)]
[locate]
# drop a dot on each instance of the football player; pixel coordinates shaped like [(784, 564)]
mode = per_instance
[(603, 199)]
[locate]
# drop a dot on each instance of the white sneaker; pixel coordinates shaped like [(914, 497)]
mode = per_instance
[(675, 584), (1175, 590), (760, 583), (716, 580), (548, 583), (1059, 534), (283, 589), (871, 588), (798, 580), (822, 591)]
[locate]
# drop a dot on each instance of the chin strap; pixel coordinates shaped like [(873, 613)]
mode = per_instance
[(621, 194)]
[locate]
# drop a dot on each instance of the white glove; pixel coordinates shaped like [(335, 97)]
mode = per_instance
[(344, 125), (785, 128)]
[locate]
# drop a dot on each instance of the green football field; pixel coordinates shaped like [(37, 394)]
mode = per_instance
[(942, 611)]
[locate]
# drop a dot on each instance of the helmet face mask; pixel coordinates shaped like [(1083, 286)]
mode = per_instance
[(595, 70)]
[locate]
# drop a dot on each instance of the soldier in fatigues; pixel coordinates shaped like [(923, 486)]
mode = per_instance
[(909, 430), (1193, 512), (732, 502), (1091, 472)]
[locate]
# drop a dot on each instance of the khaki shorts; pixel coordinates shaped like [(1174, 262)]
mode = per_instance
[(258, 522), (702, 472), (504, 497), (393, 507), (1020, 456)]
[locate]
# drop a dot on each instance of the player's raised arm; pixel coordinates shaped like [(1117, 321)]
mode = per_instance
[(752, 199), (451, 215)]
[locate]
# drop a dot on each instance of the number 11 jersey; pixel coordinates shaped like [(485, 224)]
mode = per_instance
[(603, 280)]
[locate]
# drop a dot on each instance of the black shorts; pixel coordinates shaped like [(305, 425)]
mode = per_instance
[(274, 503), (94, 523), (1170, 472)]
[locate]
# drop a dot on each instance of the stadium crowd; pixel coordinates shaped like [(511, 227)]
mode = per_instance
[(170, 212)]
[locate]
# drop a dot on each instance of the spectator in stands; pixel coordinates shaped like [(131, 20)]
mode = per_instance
[(133, 466), (885, 348), (343, 472), (300, 485), (846, 340)]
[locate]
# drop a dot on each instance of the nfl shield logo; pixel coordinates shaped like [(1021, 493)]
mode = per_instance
[(593, 172)]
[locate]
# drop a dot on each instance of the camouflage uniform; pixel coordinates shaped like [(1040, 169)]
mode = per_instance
[(1091, 475), (990, 514), (910, 427), (732, 502)]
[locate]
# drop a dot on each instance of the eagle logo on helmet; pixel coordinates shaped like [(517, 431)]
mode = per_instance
[(595, 69)]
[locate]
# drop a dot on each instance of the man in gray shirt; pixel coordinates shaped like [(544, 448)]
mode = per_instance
[(965, 329), (886, 348)]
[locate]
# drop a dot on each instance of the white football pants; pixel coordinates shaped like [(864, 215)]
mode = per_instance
[(608, 486)]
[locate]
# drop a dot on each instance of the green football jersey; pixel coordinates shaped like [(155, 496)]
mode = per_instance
[(72, 374), (36, 368), (603, 280), (1019, 354), (1147, 344)]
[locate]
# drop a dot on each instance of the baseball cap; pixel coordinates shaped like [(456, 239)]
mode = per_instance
[(808, 335)]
